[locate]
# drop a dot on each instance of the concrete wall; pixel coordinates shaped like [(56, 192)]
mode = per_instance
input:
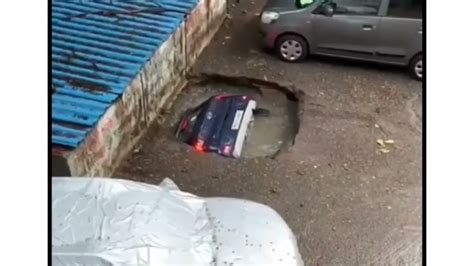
[(154, 89)]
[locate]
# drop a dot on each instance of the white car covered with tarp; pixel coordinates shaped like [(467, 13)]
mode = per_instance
[(103, 221)]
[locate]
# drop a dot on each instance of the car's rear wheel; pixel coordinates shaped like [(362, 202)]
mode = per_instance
[(292, 48), (416, 67)]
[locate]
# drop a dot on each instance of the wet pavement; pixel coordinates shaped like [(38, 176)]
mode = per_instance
[(348, 200)]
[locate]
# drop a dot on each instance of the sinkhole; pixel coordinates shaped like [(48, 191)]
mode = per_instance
[(272, 129)]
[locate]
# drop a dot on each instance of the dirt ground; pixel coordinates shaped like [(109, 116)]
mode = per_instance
[(347, 202)]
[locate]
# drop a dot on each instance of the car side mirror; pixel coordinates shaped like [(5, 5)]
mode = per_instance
[(328, 10)]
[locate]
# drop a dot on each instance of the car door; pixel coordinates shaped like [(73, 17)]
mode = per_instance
[(401, 33), (352, 30)]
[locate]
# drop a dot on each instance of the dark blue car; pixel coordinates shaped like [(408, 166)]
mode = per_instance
[(218, 125)]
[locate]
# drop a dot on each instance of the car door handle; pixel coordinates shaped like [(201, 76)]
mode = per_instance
[(368, 27)]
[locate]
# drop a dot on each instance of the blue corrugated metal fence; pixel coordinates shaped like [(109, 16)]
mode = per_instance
[(98, 47)]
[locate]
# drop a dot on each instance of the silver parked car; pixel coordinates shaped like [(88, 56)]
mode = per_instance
[(383, 31)]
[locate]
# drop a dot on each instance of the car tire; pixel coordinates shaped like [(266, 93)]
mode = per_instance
[(416, 67), (291, 48)]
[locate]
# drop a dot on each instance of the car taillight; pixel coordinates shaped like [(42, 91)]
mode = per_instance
[(199, 146), (221, 97)]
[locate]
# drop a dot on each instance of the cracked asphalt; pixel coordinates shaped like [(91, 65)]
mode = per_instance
[(347, 202)]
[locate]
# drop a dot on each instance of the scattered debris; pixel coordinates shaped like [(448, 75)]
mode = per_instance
[(389, 207), (137, 150), (333, 228), (345, 167), (384, 145), (301, 173), (380, 142), (273, 190), (301, 205), (227, 37), (315, 166)]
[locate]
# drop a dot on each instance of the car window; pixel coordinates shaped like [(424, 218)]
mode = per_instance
[(405, 9), (357, 7)]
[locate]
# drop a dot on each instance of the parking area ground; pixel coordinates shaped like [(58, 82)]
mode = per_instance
[(348, 200)]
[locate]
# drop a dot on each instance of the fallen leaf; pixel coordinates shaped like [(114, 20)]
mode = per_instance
[(384, 150), (389, 141)]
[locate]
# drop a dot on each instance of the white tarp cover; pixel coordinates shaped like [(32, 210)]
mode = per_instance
[(101, 221)]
